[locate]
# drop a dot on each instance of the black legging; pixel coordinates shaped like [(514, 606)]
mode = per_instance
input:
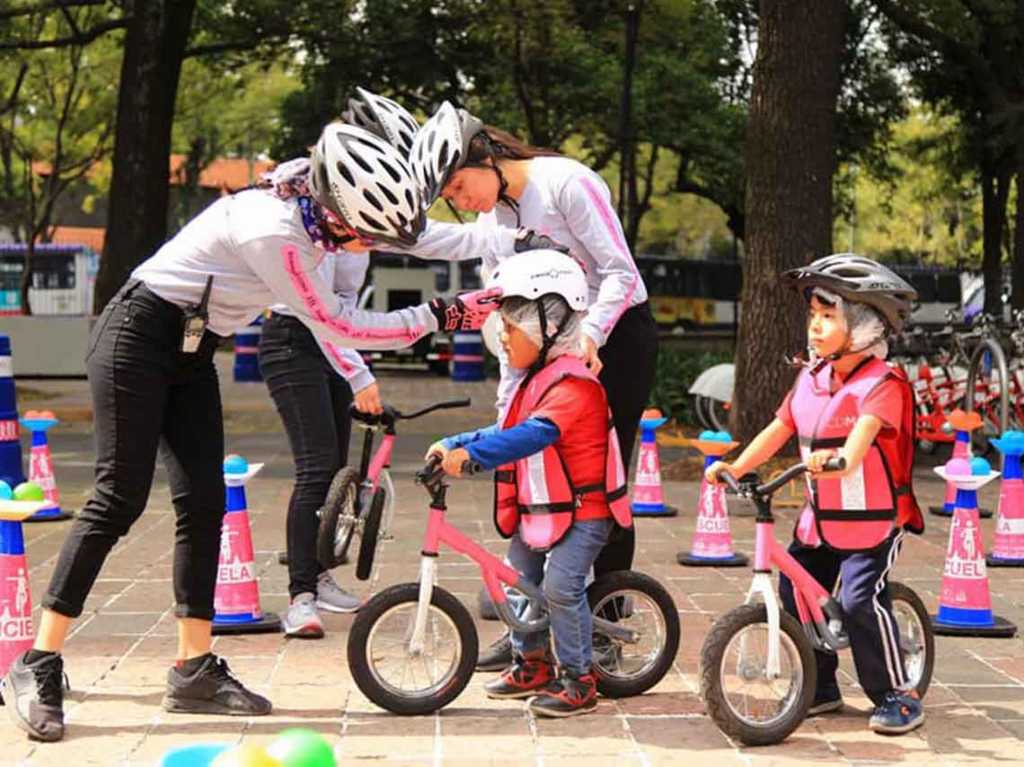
[(146, 395), (313, 401), (629, 356)]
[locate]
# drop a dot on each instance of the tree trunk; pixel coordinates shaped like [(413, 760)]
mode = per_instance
[(995, 189), (1017, 275), (137, 223), (790, 157), (627, 146)]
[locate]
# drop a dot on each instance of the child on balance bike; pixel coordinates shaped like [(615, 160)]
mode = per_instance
[(560, 486), (848, 402)]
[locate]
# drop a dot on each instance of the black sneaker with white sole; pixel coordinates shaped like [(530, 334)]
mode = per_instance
[(212, 689), (498, 656), (34, 696)]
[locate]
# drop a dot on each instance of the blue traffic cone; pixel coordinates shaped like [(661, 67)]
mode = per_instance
[(10, 445)]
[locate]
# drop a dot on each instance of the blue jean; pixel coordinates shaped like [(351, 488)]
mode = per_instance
[(564, 582)]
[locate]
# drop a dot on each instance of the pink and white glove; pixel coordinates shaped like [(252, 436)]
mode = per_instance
[(467, 311)]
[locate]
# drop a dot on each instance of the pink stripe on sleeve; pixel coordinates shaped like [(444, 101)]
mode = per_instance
[(338, 357), (308, 295), (607, 218)]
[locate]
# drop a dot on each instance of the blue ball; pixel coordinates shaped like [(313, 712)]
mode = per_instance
[(723, 436), (235, 464), (980, 467), (707, 436), (6, 493)]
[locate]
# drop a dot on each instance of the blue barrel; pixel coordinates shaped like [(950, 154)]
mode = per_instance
[(11, 470), (468, 357), (247, 347)]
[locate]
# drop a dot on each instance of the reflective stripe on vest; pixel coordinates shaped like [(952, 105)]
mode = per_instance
[(535, 495), (856, 512)]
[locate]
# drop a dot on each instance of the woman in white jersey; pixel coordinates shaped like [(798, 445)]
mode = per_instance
[(480, 168), (313, 383), (153, 381)]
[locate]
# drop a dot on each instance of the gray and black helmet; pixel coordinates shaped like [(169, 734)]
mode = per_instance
[(858, 280), (383, 117), (441, 148)]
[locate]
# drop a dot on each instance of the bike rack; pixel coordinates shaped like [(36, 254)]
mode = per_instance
[(999, 357)]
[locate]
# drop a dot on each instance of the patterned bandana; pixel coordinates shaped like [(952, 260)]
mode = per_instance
[(312, 219)]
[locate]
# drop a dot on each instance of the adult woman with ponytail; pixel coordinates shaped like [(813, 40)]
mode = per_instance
[(510, 184)]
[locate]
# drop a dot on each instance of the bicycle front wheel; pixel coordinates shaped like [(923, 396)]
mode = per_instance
[(740, 697)]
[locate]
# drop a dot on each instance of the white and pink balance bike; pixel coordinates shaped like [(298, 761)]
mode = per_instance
[(757, 668), (413, 647)]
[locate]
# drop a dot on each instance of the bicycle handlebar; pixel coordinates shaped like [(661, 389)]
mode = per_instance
[(390, 414), (432, 470), (768, 488)]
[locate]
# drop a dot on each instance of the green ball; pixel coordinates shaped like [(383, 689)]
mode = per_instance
[(29, 491), (302, 748)]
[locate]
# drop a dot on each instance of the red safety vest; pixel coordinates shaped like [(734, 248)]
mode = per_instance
[(535, 495), (859, 511)]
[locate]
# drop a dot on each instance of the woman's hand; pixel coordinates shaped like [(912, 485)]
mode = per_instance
[(815, 462), (590, 356), (367, 400), (452, 463), (712, 471)]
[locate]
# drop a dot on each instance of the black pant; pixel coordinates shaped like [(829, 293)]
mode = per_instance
[(867, 615), (313, 401), (147, 394), (629, 356)]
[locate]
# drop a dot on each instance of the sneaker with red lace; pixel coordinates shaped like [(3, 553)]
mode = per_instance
[(521, 680), (567, 695)]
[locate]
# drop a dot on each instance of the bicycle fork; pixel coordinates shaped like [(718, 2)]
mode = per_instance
[(428, 571)]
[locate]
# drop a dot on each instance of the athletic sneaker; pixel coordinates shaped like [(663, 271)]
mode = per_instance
[(34, 696), (826, 701), (212, 689), (333, 598), (302, 620), (497, 656), (522, 679), (568, 695), (899, 713)]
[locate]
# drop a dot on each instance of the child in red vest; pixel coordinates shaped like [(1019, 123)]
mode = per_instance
[(848, 402), (560, 484)]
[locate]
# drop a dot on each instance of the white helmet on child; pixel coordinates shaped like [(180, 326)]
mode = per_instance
[(536, 273), (365, 183), (383, 117)]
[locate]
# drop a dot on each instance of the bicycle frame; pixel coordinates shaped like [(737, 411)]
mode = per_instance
[(494, 572), (372, 463)]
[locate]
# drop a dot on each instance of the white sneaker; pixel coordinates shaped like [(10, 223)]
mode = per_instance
[(333, 598), (302, 619)]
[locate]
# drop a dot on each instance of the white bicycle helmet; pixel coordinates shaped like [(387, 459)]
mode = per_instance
[(366, 184), (383, 117), (536, 273), (441, 147)]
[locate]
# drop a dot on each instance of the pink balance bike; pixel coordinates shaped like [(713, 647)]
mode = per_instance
[(757, 667), (361, 502), (413, 647)]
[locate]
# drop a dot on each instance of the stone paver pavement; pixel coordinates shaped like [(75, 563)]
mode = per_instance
[(119, 652)]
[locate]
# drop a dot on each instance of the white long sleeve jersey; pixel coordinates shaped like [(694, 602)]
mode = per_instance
[(257, 250), (571, 204), (345, 272)]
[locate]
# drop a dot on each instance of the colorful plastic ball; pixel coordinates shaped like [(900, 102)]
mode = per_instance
[(302, 748), (707, 436), (958, 467), (980, 467), (235, 464), (196, 755), (245, 756), (723, 436), (650, 414), (6, 493), (29, 491), (47, 414)]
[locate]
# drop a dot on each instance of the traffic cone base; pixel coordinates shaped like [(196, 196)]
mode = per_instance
[(692, 560)]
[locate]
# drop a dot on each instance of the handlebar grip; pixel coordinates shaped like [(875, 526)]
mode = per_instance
[(835, 464), (471, 467), (729, 479), (429, 470)]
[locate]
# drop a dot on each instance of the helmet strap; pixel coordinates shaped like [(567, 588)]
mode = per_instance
[(547, 341)]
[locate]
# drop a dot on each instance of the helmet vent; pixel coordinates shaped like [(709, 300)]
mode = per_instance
[(390, 171), (370, 198), (373, 223), (343, 170), (387, 193), (361, 162)]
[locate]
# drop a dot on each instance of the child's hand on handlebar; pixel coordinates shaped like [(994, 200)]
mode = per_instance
[(712, 472), (816, 461), (453, 461), (437, 449)]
